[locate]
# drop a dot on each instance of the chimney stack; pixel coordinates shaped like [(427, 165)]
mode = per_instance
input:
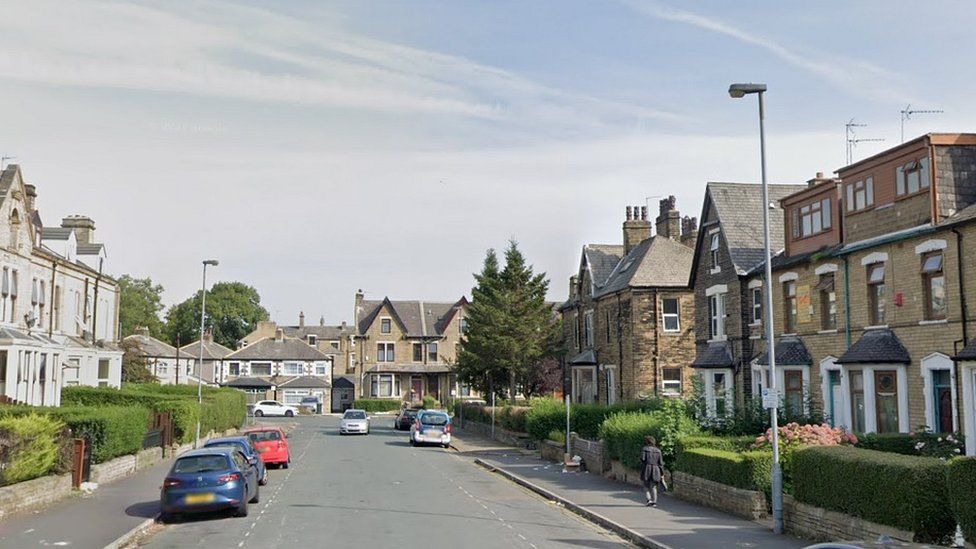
[(31, 197), (322, 321), (636, 228), (208, 336), (573, 283), (358, 309), (668, 223), (819, 179), (279, 335), (689, 231), (301, 319), (141, 330), (83, 226)]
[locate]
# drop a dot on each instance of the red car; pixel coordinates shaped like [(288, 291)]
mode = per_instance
[(271, 445)]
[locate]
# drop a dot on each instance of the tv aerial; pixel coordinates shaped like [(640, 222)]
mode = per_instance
[(908, 111), (853, 139)]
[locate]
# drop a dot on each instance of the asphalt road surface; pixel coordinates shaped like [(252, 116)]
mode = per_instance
[(378, 491)]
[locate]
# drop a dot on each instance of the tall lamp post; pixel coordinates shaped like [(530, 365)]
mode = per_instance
[(737, 91), (203, 314)]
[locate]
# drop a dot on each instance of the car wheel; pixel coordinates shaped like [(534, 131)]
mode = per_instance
[(446, 445), (413, 442), (264, 479), (258, 413), (257, 496), (286, 463), (241, 509)]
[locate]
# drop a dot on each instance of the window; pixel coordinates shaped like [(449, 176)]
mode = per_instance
[(828, 302), (793, 393), (860, 195), (386, 325), (418, 352), (713, 249), (811, 219), (757, 305), (876, 294), (260, 368), (669, 314), (716, 315), (234, 368), (103, 372), (384, 385), (432, 352), (671, 381), (912, 177), (57, 307), (464, 325), (857, 401), (3, 366), (789, 306), (312, 339), (293, 368), (719, 394), (384, 352), (5, 292), (321, 369), (608, 325), (886, 400), (933, 286), (588, 328)]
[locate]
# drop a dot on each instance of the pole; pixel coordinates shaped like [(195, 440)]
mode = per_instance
[(203, 313), (493, 415), (777, 480), (568, 450)]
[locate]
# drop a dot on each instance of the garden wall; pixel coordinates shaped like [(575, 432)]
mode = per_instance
[(818, 524), (747, 504), (519, 440)]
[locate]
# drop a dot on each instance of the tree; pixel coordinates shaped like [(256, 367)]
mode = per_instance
[(135, 368), (512, 331), (140, 302), (233, 311)]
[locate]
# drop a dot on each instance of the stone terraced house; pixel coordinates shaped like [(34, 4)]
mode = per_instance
[(282, 368), (628, 325)]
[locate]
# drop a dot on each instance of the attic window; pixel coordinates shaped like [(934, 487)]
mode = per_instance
[(626, 265), (311, 339)]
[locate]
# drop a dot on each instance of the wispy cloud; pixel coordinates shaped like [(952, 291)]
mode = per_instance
[(856, 77)]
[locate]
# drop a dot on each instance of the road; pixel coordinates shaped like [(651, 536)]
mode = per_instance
[(378, 491)]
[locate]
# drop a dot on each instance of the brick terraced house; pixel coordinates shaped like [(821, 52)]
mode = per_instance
[(628, 325)]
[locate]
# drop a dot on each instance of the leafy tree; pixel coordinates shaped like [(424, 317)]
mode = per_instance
[(512, 331), (140, 302), (233, 311), (135, 367)]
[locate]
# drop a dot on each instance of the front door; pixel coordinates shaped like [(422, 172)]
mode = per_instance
[(942, 385), (834, 397), (416, 388), (432, 386)]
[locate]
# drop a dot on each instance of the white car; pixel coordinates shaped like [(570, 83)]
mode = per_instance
[(273, 408), (354, 421)]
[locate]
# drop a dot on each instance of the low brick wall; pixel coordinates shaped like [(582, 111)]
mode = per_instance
[(553, 451), (819, 524), (621, 473), (124, 466), (33, 494), (736, 501), (520, 440), (591, 451)]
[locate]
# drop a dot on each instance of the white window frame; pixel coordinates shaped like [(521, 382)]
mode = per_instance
[(717, 317), (588, 328), (870, 408), (389, 321), (708, 378), (714, 243), (929, 364), (676, 316), (760, 377), (292, 368), (323, 366), (251, 365), (378, 378), (669, 386), (592, 395)]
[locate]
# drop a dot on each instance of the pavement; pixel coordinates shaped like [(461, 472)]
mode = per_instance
[(673, 524)]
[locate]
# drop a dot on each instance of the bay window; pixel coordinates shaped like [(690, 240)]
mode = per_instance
[(384, 385)]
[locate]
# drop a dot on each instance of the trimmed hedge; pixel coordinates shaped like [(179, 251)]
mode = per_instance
[(377, 404), (895, 443), (746, 470), (731, 444), (962, 493), (547, 415), (29, 447), (623, 433), (902, 491), (513, 418)]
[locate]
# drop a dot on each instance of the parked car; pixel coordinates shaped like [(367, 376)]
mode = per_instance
[(405, 419), (431, 428), (354, 421), (273, 408), (209, 479), (271, 444), (312, 404), (247, 448)]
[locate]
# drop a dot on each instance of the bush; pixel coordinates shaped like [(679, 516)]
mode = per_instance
[(962, 493), (29, 446), (920, 443), (430, 403), (112, 431), (545, 415), (548, 414), (902, 491), (747, 470), (558, 436), (894, 443), (623, 433), (377, 404), (513, 418), (731, 444)]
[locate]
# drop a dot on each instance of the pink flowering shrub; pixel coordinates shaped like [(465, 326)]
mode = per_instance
[(793, 435)]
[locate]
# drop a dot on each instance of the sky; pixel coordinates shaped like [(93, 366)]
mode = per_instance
[(315, 148)]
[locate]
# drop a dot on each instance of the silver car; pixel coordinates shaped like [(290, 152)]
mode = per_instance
[(354, 421)]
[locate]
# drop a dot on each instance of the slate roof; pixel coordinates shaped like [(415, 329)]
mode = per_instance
[(89, 249), (268, 348), (790, 351), (305, 382), (152, 347), (587, 357), (657, 261), (879, 345), (249, 383), (55, 233), (388, 368), (416, 318), (600, 260), (738, 206), (211, 350), (329, 333), (968, 352), (718, 354), (343, 382)]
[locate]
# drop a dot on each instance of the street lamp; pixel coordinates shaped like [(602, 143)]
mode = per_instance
[(203, 314), (738, 91)]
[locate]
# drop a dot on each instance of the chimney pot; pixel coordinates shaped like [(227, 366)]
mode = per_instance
[(322, 321), (301, 319), (628, 213), (279, 335), (83, 226)]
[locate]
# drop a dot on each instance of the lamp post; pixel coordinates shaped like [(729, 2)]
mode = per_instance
[(203, 314), (737, 91)]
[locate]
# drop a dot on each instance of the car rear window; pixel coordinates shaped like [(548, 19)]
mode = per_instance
[(434, 419), (232, 443), (263, 436), (354, 415), (201, 464), (410, 413)]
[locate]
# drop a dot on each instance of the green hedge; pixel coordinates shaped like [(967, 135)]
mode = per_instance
[(513, 418), (902, 491), (962, 494), (895, 443), (731, 444), (377, 404), (547, 415), (29, 447), (747, 470), (623, 433)]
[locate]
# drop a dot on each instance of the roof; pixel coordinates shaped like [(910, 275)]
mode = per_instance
[(320, 332), (587, 357), (55, 233), (718, 354), (249, 382), (90, 249), (968, 352), (387, 368), (657, 261), (288, 348), (738, 206), (601, 259), (876, 346), (306, 382), (416, 318), (933, 138), (152, 347), (211, 350), (790, 351), (343, 382)]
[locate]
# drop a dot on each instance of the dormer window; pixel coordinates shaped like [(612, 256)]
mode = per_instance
[(860, 194), (912, 177), (811, 219), (386, 325), (312, 339)]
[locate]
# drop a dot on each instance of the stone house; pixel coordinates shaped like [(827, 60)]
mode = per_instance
[(333, 340), (167, 364), (729, 247), (281, 368), (628, 325), (406, 349), (213, 359)]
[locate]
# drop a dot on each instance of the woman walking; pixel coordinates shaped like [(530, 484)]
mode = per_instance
[(652, 469)]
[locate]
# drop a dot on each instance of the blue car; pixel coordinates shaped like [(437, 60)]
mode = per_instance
[(209, 479), (244, 445)]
